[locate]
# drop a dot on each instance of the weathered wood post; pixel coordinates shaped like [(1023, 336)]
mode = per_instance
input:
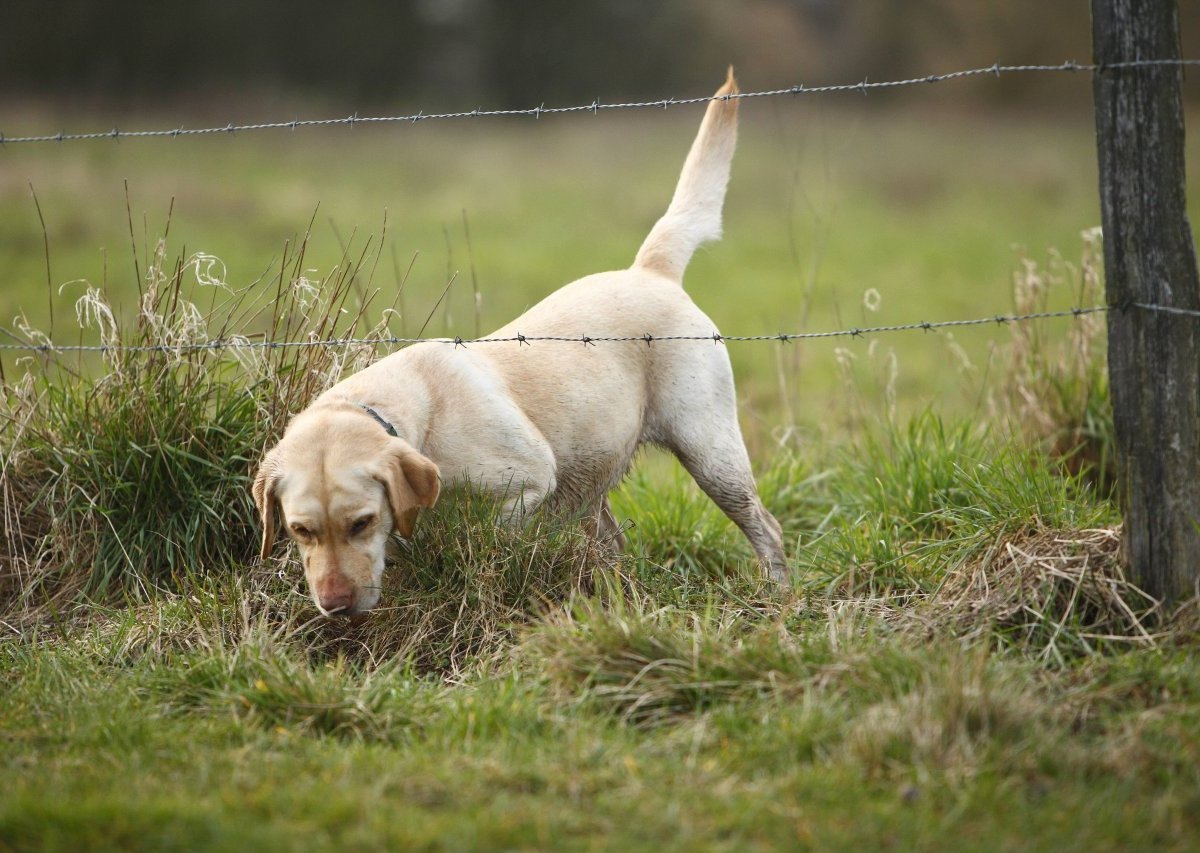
[(1149, 259)]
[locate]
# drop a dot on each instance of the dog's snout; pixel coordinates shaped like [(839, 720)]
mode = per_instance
[(336, 595)]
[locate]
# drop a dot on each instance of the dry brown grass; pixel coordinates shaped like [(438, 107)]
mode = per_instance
[(1059, 592), (1055, 391)]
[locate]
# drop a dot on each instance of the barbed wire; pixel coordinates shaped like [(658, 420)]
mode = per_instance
[(243, 343), (863, 87), (235, 343)]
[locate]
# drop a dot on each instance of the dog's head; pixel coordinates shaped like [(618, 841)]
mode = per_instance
[(343, 485)]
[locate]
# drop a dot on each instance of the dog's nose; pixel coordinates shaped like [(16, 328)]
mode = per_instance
[(336, 596)]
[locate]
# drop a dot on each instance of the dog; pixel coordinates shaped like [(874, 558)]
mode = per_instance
[(553, 426)]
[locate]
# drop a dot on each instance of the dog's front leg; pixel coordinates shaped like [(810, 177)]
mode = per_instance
[(521, 477), (527, 499), (601, 525)]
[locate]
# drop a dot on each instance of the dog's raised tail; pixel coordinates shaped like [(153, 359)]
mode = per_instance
[(694, 216)]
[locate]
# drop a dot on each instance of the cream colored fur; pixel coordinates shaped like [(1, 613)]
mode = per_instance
[(549, 425)]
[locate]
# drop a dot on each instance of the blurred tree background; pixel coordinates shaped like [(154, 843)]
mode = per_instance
[(517, 53)]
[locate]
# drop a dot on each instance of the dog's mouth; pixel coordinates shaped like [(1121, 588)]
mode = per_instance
[(343, 614), (366, 601)]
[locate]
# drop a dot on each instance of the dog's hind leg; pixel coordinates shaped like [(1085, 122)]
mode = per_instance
[(729, 481), (703, 433)]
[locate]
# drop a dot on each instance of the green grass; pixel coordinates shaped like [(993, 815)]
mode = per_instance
[(515, 691), (617, 723), (960, 659)]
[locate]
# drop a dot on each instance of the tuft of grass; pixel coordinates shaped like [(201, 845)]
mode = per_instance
[(1054, 392), (454, 595), (263, 681), (137, 480), (126, 471)]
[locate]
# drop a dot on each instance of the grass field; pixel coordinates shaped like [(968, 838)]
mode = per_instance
[(959, 661)]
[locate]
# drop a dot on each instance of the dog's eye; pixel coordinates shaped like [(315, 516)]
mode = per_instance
[(361, 524), (301, 531)]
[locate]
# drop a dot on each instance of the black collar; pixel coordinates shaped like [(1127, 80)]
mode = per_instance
[(391, 430)]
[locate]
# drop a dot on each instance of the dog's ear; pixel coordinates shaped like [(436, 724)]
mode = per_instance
[(412, 482), (264, 499)]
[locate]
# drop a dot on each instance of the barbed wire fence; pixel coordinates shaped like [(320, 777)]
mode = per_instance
[(595, 107), (240, 342), (246, 343), (863, 87)]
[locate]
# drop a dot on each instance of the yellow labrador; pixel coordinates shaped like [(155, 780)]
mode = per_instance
[(554, 425)]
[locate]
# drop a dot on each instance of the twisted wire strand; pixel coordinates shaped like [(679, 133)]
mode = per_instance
[(863, 87), (584, 339)]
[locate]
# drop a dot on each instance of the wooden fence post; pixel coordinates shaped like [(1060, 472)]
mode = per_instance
[(1149, 258)]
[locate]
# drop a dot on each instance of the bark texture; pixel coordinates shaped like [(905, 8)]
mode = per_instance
[(1149, 258)]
